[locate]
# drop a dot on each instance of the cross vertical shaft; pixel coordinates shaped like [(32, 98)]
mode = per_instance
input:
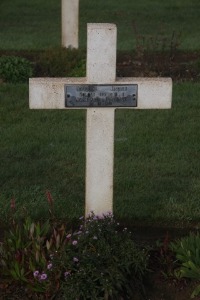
[(53, 93), (101, 69), (70, 21)]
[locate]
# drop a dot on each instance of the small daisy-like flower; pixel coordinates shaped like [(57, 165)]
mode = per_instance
[(74, 243), (43, 276), (95, 237), (49, 266), (75, 259), (68, 236), (67, 273), (35, 274)]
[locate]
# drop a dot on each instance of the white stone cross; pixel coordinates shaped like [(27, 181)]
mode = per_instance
[(49, 93), (70, 22)]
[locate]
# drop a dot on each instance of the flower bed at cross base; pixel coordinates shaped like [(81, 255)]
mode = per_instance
[(94, 259)]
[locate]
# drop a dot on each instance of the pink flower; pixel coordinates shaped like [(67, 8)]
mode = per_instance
[(49, 266), (35, 274), (43, 276), (74, 243)]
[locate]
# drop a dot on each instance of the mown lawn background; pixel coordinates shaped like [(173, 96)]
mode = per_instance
[(157, 152), (36, 24)]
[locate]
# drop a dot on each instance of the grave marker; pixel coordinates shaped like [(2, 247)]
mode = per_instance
[(70, 21), (100, 93)]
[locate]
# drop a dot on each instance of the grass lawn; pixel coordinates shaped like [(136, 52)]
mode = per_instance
[(157, 170), (157, 152), (36, 24)]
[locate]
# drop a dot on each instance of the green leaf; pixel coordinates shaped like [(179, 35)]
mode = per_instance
[(195, 292), (14, 275)]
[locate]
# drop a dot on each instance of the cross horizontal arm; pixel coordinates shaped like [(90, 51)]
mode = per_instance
[(48, 93)]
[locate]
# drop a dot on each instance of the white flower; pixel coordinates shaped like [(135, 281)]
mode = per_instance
[(75, 259)]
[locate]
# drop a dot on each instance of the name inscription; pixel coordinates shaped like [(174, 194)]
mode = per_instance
[(91, 95)]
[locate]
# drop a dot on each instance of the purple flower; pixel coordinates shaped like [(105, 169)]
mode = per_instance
[(68, 236), (35, 274), (43, 276), (67, 273), (75, 259), (109, 213), (102, 217), (49, 266), (74, 243)]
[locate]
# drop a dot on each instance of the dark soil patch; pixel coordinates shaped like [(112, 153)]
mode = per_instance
[(156, 288), (179, 65)]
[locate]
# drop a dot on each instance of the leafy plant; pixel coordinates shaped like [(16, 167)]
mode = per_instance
[(162, 258), (59, 62), (99, 262), (25, 253), (187, 252), (80, 69), (15, 69), (94, 261)]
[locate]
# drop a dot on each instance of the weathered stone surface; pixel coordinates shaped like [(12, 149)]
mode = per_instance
[(49, 93), (70, 23)]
